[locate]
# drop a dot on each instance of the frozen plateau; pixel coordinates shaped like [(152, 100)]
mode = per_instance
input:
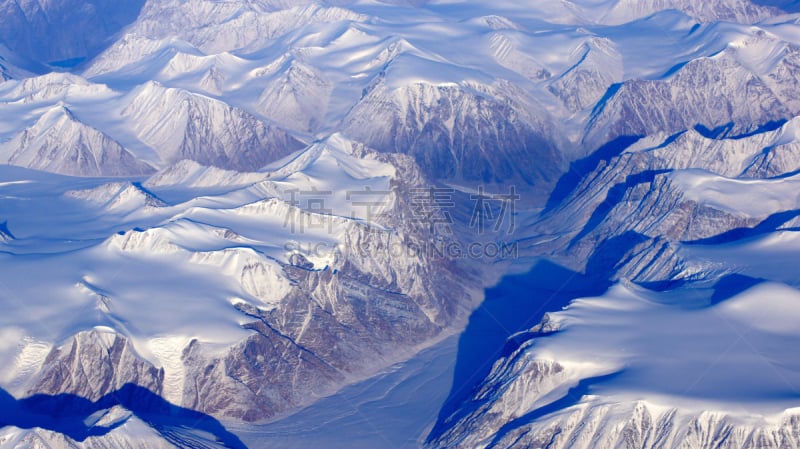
[(369, 224)]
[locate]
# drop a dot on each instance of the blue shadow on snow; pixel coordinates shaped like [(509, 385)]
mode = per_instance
[(496, 328), (71, 416)]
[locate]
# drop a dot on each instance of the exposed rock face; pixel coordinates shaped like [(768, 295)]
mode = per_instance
[(597, 64), (540, 394), (309, 326), (640, 185), (505, 397), (729, 10), (333, 325), (208, 88), (119, 197), (181, 125), (94, 364), (458, 133), (641, 425), (632, 210), (725, 94)]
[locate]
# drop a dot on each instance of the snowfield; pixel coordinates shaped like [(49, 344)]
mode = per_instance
[(217, 222)]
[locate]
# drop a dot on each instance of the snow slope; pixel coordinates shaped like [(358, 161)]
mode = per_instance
[(239, 277), (216, 204), (58, 142), (684, 359)]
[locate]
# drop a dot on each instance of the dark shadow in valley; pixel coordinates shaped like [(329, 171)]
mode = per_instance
[(498, 327), (75, 417), (732, 285), (578, 170), (717, 132), (502, 325), (724, 131), (615, 196), (610, 253)]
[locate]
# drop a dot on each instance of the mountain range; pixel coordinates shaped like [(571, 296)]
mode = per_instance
[(222, 223)]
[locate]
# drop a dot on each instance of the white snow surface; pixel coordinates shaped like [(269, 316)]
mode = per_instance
[(302, 66), (745, 197), (95, 252), (725, 357), (165, 259)]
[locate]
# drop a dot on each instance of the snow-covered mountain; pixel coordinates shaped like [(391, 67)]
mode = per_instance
[(462, 133), (215, 214), (63, 32), (573, 389), (277, 304), (180, 125), (749, 84), (60, 143)]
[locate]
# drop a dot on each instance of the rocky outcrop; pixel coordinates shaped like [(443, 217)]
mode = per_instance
[(641, 425), (181, 125), (94, 364), (458, 132)]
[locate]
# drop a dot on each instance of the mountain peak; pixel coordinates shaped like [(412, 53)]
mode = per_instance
[(59, 142)]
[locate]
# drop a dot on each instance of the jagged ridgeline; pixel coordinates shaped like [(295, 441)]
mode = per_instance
[(214, 214)]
